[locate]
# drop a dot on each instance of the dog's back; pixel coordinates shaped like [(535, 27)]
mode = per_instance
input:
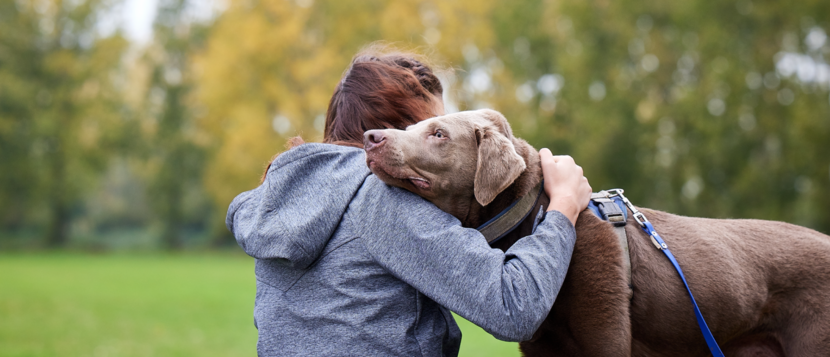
[(762, 287)]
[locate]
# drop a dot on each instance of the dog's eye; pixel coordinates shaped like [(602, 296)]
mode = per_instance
[(439, 134)]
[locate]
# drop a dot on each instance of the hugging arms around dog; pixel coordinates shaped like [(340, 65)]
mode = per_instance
[(347, 265)]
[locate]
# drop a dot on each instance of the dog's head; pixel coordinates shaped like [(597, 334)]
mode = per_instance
[(447, 158)]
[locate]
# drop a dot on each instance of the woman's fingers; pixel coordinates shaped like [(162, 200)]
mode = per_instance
[(565, 184), (565, 159), (545, 155)]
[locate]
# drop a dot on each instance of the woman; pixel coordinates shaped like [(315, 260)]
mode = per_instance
[(347, 265)]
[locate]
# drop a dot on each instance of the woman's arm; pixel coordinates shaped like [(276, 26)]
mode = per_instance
[(507, 293)]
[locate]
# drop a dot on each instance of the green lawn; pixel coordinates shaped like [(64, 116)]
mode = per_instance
[(67, 304)]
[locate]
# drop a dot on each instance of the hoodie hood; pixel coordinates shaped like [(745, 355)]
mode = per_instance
[(296, 210)]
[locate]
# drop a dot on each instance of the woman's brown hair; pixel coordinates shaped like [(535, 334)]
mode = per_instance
[(381, 91)]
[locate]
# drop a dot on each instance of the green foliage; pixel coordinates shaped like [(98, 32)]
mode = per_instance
[(57, 110), (696, 108), (173, 152), (681, 104), (694, 116)]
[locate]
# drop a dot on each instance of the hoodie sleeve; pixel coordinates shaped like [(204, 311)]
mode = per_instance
[(508, 294)]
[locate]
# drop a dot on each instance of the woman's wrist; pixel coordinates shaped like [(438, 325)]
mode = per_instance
[(566, 207)]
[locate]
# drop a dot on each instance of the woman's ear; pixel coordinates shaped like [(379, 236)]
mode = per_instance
[(498, 164)]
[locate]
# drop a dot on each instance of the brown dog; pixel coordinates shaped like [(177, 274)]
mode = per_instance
[(763, 287)]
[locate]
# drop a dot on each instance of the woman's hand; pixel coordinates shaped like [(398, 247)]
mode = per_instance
[(568, 190)]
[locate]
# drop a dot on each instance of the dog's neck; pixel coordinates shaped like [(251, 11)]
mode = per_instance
[(476, 214)]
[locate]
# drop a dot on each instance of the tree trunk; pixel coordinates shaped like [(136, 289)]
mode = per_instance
[(59, 220), (171, 235)]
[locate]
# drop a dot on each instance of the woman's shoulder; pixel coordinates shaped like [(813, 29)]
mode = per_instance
[(377, 205), (376, 195), (307, 150)]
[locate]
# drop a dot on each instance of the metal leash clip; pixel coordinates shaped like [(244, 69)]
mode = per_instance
[(640, 218)]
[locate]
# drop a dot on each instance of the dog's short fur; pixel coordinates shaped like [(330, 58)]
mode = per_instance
[(763, 287)]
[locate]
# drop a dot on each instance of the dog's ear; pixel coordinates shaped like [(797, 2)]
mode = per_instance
[(498, 162)]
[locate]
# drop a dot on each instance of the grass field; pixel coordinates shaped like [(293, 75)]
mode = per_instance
[(66, 304)]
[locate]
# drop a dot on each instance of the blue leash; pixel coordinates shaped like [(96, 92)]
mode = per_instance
[(658, 242)]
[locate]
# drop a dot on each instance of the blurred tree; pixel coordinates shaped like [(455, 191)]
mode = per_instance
[(176, 159), (58, 109), (689, 106), (699, 108)]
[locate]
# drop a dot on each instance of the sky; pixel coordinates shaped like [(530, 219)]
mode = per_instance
[(135, 17), (139, 16)]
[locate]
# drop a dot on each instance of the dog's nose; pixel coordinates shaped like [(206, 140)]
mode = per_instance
[(373, 139)]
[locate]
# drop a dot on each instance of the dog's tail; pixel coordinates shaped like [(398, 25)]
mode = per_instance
[(290, 144)]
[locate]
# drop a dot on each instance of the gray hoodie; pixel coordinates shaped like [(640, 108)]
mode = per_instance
[(348, 266)]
